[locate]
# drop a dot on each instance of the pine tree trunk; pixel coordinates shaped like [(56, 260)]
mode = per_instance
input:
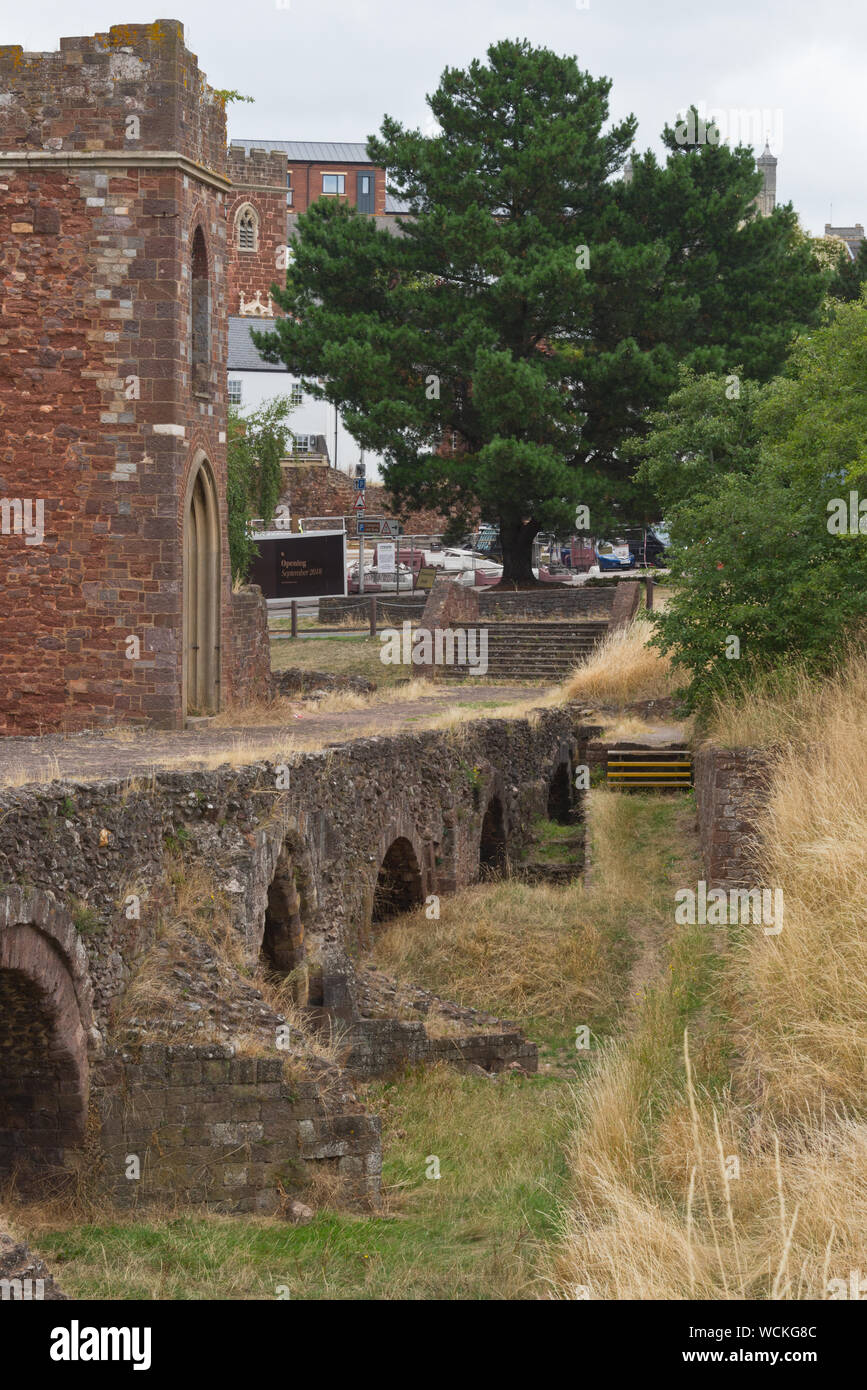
[(517, 539)]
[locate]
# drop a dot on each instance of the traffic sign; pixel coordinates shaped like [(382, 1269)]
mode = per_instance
[(359, 502), (388, 528), (360, 484), (359, 527)]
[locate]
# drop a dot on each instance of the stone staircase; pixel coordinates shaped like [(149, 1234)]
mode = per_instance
[(534, 651)]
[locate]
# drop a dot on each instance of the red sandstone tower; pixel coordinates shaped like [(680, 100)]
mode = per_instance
[(113, 203)]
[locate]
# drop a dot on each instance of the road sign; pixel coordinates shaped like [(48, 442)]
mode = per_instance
[(359, 502), (360, 484), (388, 528), (359, 527)]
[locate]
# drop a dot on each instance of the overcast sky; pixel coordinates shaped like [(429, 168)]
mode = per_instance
[(330, 69)]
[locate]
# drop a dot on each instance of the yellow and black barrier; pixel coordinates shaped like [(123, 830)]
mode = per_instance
[(649, 767)]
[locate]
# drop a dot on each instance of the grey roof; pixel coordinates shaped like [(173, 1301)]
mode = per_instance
[(243, 353), (317, 151), (394, 204)]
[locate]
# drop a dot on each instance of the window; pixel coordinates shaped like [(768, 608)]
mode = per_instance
[(296, 395), (235, 391), (200, 316), (289, 189), (247, 229), (303, 443), (334, 183)]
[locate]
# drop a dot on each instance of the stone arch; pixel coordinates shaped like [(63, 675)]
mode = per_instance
[(492, 839), (200, 315), (202, 580), (560, 799), (45, 1029), (246, 228), (399, 885), (286, 913)]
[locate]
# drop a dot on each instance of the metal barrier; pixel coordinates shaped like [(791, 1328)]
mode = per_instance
[(649, 767)]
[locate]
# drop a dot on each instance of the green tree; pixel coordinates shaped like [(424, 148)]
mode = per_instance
[(500, 350), (751, 485), (849, 276), (255, 444)]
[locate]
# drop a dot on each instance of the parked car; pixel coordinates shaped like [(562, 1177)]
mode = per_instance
[(647, 546), (614, 555)]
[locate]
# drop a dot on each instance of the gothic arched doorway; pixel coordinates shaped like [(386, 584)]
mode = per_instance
[(202, 575)]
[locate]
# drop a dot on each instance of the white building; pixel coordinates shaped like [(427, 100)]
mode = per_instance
[(254, 382)]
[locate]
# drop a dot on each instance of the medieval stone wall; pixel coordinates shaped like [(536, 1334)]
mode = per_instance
[(318, 491), (730, 790), (550, 601), (238, 1134), (303, 866), (94, 844), (250, 651)]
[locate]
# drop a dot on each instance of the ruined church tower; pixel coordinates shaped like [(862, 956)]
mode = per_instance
[(113, 197)]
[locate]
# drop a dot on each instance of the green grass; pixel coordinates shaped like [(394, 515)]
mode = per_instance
[(475, 1233), (342, 654)]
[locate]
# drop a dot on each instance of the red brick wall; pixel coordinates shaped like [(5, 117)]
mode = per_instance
[(260, 181), (95, 290), (328, 492), (307, 184)]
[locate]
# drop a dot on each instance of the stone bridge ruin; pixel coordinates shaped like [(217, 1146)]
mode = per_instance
[(214, 1101)]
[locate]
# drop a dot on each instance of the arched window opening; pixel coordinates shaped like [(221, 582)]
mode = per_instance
[(200, 311), (398, 885), (492, 844), (247, 230)]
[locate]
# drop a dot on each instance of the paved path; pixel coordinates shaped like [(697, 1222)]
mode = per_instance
[(92, 756)]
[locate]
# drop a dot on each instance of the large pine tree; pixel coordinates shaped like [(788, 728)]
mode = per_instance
[(537, 303)]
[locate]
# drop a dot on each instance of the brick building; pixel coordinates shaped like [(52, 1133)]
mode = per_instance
[(114, 191), (275, 181)]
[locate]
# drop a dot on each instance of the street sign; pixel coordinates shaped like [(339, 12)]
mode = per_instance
[(360, 484), (388, 528), (359, 502), (359, 527)]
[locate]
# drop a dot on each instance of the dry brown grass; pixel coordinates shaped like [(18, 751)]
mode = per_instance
[(550, 953), (788, 706), (806, 989), (19, 775), (623, 669), (533, 951), (777, 1077)]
